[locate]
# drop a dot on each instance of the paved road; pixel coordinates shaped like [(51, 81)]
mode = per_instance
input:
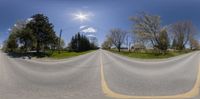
[(100, 75)]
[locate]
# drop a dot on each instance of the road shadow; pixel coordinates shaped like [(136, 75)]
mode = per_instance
[(28, 55)]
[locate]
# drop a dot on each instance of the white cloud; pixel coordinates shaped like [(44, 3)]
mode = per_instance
[(91, 35), (82, 27), (15, 25), (9, 29), (89, 30), (29, 19)]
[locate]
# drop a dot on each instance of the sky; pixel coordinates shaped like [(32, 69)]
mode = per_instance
[(102, 15)]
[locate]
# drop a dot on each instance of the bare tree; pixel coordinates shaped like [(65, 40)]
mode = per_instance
[(107, 44), (147, 28), (182, 31), (194, 44), (129, 40), (117, 37)]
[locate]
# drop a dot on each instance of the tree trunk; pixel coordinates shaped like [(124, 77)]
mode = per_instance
[(119, 49), (25, 47), (38, 47)]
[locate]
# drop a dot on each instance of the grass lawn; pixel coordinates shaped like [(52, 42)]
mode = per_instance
[(145, 55), (66, 54)]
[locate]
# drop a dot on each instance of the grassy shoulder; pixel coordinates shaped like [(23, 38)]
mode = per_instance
[(149, 55), (67, 54)]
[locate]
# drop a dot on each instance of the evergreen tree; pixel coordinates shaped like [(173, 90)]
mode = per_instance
[(80, 43), (163, 40), (174, 44), (11, 43), (43, 31)]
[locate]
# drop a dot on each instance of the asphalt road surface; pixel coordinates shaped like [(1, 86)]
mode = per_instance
[(100, 75)]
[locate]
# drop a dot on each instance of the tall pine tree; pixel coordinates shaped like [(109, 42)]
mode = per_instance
[(80, 43)]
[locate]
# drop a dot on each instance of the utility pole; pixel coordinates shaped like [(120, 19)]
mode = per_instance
[(127, 42), (60, 41)]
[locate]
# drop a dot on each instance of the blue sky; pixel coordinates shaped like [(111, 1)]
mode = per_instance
[(104, 14)]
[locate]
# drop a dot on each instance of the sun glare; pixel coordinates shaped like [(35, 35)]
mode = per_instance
[(81, 16)]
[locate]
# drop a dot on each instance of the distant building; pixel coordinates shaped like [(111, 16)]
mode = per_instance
[(138, 46)]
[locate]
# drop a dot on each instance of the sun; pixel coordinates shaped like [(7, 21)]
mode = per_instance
[(81, 16)]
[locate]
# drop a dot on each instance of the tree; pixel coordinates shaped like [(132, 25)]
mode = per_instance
[(147, 27), (11, 44), (83, 43), (107, 44), (182, 31), (62, 44), (21, 35), (163, 40), (194, 44), (117, 36), (80, 43), (26, 39), (34, 33), (25, 35), (43, 31), (174, 44)]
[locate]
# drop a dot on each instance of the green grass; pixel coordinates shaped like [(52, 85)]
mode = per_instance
[(66, 54), (148, 55)]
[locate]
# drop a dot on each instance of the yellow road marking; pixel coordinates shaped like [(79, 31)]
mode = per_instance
[(108, 92)]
